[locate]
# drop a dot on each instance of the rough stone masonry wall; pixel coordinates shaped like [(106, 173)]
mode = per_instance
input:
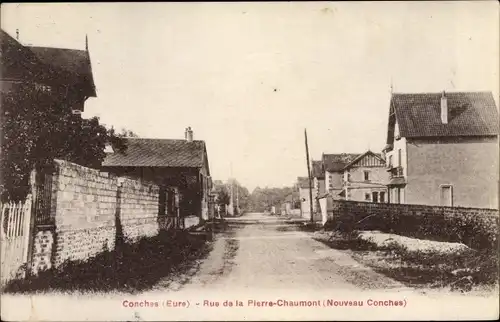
[(87, 206), (139, 209), (475, 227)]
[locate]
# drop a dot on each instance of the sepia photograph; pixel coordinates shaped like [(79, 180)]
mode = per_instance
[(230, 161)]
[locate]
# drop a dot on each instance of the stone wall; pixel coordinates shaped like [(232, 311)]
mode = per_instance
[(88, 207), (475, 227), (139, 209)]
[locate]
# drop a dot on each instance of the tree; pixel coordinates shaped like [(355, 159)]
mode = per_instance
[(38, 127), (262, 199), (127, 134)]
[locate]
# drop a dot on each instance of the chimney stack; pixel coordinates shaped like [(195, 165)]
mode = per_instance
[(188, 134), (444, 108)]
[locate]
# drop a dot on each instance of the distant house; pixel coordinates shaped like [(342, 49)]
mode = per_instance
[(333, 165), (318, 175), (442, 149), (66, 73), (180, 167), (305, 202), (365, 179)]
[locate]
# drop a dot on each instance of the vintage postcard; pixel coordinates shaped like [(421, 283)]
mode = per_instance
[(229, 161)]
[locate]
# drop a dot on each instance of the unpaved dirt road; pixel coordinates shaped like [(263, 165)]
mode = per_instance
[(259, 251)]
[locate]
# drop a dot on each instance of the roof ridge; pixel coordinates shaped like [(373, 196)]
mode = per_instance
[(59, 48), (142, 138), (447, 92)]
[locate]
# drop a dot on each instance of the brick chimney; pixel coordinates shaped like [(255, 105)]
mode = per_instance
[(188, 134), (444, 108)]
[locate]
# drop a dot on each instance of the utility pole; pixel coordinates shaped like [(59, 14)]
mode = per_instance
[(309, 176)]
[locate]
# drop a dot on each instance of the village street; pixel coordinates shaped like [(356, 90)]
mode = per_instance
[(259, 251)]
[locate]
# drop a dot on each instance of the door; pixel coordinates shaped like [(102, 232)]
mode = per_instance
[(375, 196), (446, 196)]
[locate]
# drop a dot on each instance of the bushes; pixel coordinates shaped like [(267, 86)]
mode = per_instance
[(476, 228), (133, 267)]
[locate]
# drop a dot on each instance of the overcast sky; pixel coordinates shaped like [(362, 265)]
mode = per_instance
[(249, 77)]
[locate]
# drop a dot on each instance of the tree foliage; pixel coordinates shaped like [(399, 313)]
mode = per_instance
[(38, 127), (262, 199)]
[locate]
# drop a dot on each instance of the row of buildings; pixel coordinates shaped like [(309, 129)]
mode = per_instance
[(442, 149), (179, 166)]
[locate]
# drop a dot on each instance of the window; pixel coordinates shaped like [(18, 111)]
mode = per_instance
[(390, 160), (382, 196), (446, 196), (375, 196), (399, 157), (367, 197), (367, 175)]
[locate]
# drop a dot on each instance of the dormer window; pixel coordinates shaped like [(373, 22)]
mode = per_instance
[(43, 88)]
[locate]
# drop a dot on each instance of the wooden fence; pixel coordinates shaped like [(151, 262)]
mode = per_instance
[(15, 235)]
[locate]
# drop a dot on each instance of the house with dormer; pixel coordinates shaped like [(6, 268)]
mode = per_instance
[(61, 72), (365, 179), (442, 149)]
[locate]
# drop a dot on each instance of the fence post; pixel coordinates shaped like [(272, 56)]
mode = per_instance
[(31, 231)]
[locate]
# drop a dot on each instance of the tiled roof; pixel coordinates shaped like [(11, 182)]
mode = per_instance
[(73, 61), (470, 114), (46, 65), (158, 153), (337, 162), (317, 169), (18, 61)]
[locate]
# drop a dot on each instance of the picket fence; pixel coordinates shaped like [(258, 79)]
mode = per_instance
[(14, 234)]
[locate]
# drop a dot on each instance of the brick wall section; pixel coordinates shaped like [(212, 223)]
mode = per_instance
[(475, 227), (86, 204)]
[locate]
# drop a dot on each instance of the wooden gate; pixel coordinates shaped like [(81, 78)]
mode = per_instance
[(15, 235)]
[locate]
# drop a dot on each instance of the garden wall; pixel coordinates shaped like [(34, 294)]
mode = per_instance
[(90, 209), (474, 227)]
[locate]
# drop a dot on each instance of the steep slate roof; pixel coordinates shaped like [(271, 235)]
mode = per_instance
[(419, 115), (159, 153), (46, 65), (18, 61), (75, 62), (317, 169), (337, 162)]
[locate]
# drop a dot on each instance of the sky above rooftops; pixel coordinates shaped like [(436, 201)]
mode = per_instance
[(249, 77)]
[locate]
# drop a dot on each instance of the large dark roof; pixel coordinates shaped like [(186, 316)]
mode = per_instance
[(159, 153), (419, 115), (46, 65), (75, 62), (18, 62), (337, 162)]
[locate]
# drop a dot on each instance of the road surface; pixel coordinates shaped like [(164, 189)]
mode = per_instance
[(264, 252)]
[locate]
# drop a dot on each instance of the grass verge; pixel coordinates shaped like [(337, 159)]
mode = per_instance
[(460, 270), (135, 267)]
